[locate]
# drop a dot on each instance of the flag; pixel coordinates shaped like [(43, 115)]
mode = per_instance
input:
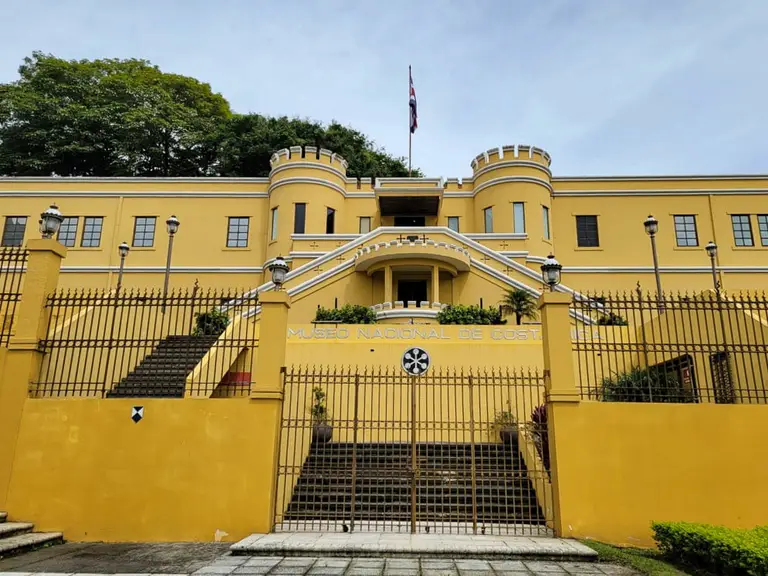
[(412, 104)]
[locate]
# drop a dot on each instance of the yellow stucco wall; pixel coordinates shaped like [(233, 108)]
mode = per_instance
[(319, 179), (191, 470), (654, 462)]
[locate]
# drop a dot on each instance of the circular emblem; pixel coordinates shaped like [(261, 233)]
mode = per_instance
[(415, 361)]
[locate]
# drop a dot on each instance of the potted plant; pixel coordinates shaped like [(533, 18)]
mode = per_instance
[(321, 422), (505, 424)]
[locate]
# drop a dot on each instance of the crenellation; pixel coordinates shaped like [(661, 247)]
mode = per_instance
[(510, 153), (309, 154)]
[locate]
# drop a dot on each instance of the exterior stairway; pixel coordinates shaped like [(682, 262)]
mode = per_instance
[(163, 372), (504, 494), (17, 537)]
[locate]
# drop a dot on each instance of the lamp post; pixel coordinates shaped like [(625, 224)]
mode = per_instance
[(278, 268), (123, 249), (550, 272), (172, 225), (50, 221), (711, 249), (651, 228)]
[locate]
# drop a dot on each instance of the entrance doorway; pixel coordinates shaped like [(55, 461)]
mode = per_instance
[(412, 290), (410, 221)]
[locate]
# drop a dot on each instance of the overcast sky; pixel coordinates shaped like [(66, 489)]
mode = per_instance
[(606, 86)]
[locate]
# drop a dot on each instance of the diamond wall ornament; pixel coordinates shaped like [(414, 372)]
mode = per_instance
[(415, 361), (137, 413)]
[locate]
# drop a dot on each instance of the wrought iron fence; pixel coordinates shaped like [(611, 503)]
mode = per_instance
[(13, 261), (705, 347), (142, 344), (449, 451)]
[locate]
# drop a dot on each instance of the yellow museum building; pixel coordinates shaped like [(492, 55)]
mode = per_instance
[(410, 243)]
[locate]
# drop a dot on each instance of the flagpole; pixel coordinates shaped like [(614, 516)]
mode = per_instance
[(410, 132)]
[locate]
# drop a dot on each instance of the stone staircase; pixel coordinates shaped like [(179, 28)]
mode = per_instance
[(503, 491), (163, 372), (17, 537)]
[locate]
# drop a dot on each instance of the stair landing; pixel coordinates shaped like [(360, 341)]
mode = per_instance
[(355, 544)]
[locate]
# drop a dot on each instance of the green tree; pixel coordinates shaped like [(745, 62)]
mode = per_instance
[(107, 118), (113, 117), (520, 303)]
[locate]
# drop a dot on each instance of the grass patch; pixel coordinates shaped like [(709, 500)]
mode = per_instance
[(644, 561)]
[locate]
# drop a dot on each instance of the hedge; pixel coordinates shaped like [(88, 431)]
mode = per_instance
[(347, 314), (472, 314), (717, 549)]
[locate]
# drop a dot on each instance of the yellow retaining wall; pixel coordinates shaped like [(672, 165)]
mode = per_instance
[(621, 466), (191, 470)]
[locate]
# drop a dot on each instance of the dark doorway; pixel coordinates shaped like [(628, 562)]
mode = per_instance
[(410, 221), (412, 290)]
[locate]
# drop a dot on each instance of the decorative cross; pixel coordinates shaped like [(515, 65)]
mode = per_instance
[(485, 258), (339, 244), (340, 258), (504, 245), (314, 245), (317, 269), (508, 270)]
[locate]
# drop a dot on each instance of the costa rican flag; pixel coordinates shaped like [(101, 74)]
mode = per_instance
[(412, 104)]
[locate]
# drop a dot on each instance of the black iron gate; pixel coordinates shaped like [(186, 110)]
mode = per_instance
[(379, 450)]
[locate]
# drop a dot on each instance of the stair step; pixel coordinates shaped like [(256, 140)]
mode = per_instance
[(25, 542), (11, 528), (3, 516)]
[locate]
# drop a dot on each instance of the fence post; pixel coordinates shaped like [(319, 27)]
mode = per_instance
[(267, 395), (561, 393), (23, 359)]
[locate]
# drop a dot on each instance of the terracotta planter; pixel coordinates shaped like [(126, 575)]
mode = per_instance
[(508, 434), (322, 432)]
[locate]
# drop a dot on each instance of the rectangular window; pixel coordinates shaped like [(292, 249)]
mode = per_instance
[(92, 226), (237, 232), (299, 218), (453, 223), (68, 231), (762, 225), (273, 230), (365, 224), (144, 231), (518, 213), (742, 230), (586, 231), (685, 230), (488, 218), (13, 232), (545, 215), (330, 220)]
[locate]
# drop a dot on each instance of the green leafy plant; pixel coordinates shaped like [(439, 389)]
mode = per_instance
[(504, 419), (717, 549), (347, 314), (211, 323), (645, 385), (540, 432), (319, 409), (612, 319), (463, 314), (519, 302)]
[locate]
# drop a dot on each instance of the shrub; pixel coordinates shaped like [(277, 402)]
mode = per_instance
[(645, 385), (611, 319), (463, 314), (717, 549), (211, 323), (347, 314), (540, 433)]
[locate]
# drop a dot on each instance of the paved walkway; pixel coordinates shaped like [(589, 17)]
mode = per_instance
[(385, 543)]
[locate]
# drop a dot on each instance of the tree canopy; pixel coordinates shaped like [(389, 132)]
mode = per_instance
[(113, 117)]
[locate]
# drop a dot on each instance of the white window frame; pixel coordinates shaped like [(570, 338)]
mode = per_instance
[(518, 217), (273, 225)]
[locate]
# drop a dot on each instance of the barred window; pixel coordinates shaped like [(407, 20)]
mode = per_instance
[(13, 231), (237, 232), (742, 230), (299, 218), (762, 225), (144, 231), (685, 230), (92, 226), (68, 231), (586, 231)]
